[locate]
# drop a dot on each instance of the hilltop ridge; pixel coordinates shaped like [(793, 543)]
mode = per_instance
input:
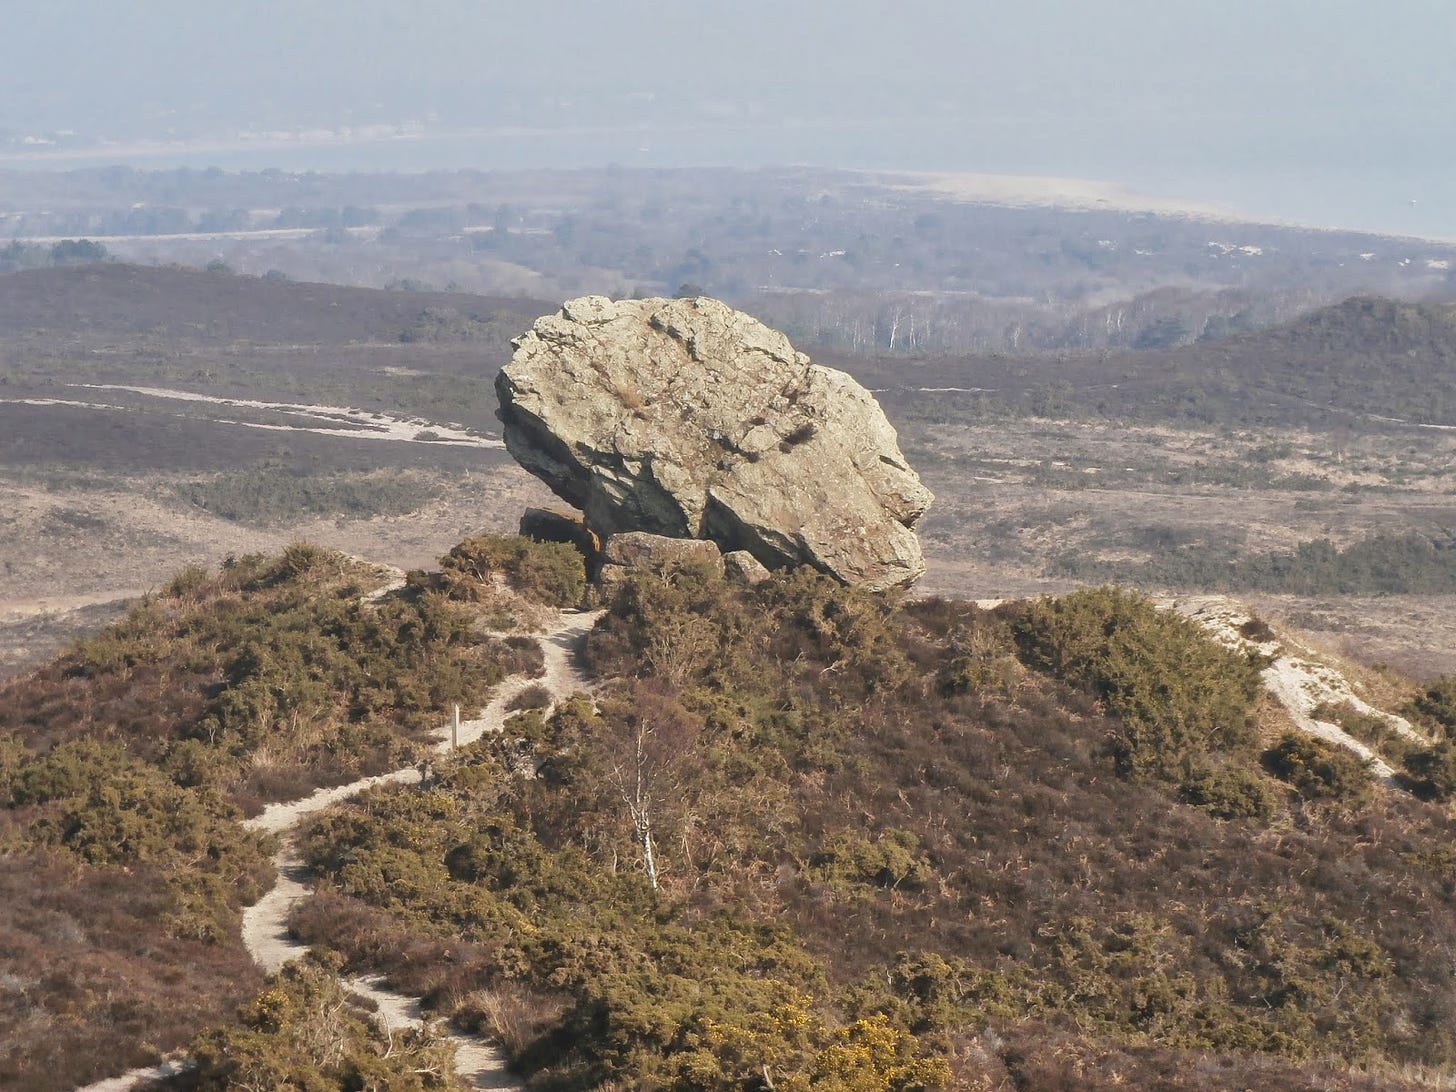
[(1373, 362), (1072, 844)]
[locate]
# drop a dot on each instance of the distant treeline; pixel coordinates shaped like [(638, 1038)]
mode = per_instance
[(839, 261), (17, 255), (1407, 564), (1366, 362)]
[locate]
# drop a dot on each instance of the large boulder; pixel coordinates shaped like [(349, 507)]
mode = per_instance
[(689, 419)]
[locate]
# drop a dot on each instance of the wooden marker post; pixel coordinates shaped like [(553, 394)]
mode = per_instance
[(455, 728)]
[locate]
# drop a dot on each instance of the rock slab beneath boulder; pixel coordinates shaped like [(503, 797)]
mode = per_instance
[(689, 419), (640, 551)]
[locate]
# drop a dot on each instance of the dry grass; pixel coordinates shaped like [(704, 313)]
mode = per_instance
[(510, 1015)]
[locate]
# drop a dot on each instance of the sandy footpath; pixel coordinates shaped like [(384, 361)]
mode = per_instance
[(478, 1063)]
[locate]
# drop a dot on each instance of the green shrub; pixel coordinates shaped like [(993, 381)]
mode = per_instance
[(1320, 771), (190, 581), (1436, 705), (303, 1033), (552, 573), (656, 994), (70, 770), (534, 696), (1434, 770), (983, 659), (1368, 728), (1176, 693), (1230, 792), (280, 659), (1365, 727), (892, 858)]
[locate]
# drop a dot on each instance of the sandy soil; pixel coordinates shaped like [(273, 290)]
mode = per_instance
[(126, 1081), (1031, 191), (1300, 678), (326, 420)]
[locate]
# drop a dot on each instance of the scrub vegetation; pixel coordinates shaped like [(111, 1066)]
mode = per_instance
[(128, 764), (811, 838)]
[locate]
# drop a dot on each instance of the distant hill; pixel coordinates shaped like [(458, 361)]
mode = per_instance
[(1367, 361), (118, 299), (1364, 357)]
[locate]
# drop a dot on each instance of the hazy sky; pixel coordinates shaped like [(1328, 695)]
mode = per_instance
[(1341, 108)]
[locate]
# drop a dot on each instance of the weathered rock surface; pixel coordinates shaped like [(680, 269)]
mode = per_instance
[(640, 549), (742, 566), (689, 419), (631, 551), (550, 525)]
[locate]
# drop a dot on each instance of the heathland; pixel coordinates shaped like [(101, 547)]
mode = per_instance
[(1074, 842)]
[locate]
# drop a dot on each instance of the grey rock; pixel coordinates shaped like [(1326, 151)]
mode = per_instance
[(689, 419), (638, 551), (742, 566), (609, 576), (641, 550)]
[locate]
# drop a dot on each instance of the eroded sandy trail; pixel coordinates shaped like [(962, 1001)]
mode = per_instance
[(131, 1078), (478, 1063), (562, 677), (1297, 679), (265, 924)]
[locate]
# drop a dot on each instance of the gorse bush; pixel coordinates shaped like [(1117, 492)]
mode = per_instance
[(887, 855), (661, 996), (116, 877), (551, 573), (97, 802), (1320, 771), (798, 836), (1175, 692), (1369, 728), (1230, 792), (1436, 705), (302, 1032), (267, 678), (891, 859), (1434, 770)]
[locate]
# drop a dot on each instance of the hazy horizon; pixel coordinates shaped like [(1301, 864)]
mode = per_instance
[(1330, 113)]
